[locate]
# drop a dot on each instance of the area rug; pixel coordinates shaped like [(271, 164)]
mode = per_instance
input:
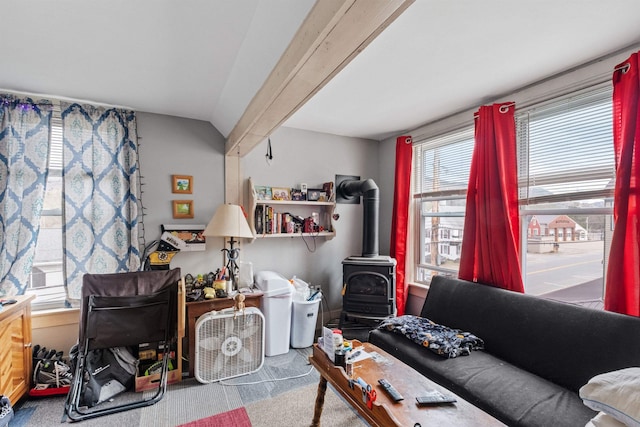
[(237, 417)]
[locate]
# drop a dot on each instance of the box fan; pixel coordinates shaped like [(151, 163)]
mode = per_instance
[(228, 343)]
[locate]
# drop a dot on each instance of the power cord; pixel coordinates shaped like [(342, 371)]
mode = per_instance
[(315, 243), (269, 380)]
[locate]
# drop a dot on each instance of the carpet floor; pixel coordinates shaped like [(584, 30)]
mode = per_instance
[(295, 408), (282, 392)]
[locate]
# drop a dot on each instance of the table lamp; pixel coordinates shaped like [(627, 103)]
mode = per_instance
[(229, 221)]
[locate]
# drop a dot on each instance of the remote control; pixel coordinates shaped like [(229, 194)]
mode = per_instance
[(390, 389), (434, 397)]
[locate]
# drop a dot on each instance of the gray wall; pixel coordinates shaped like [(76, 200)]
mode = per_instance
[(313, 158), (386, 182), (176, 146), (172, 145)]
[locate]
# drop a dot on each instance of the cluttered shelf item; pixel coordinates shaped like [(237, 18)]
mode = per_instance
[(207, 286), (283, 212), (218, 284)]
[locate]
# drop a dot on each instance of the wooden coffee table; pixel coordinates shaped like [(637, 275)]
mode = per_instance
[(409, 382)]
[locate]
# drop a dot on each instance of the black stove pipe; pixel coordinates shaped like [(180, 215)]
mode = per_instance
[(371, 200)]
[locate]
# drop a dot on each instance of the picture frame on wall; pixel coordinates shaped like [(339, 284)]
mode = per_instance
[(182, 184), (182, 209)]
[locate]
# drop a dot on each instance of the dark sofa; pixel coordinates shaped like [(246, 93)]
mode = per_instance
[(538, 352)]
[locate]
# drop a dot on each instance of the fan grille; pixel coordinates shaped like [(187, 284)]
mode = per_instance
[(228, 347)]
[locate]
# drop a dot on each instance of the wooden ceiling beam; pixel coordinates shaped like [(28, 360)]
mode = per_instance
[(333, 33)]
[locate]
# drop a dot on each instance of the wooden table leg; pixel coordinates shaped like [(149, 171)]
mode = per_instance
[(322, 388)]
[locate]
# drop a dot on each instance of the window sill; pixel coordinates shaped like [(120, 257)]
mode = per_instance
[(55, 317), (418, 290)]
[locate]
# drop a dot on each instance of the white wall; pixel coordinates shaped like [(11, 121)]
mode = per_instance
[(313, 158)]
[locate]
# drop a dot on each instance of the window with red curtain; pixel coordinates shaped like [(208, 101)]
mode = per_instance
[(623, 277), (566, 177), (490, 249)]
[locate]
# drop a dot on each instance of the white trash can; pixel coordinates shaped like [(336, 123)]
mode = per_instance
[(276, 307), (303, 323)]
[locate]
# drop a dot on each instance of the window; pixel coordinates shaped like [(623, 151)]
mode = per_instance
[(441, 175), (566, 181), (46, 280)]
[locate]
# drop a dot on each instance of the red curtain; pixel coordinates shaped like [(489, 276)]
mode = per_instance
[(400, 220), (623, 273), (491, 239)]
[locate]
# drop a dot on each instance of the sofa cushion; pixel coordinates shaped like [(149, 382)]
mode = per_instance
[(564, 343), (511, 394)]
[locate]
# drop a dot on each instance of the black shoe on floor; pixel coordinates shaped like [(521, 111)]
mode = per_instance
[(6, 411)]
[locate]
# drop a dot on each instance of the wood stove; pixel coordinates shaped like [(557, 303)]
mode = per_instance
[(369, 280), (369, 287)]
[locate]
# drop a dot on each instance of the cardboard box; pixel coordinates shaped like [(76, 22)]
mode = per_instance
[(150, 382)]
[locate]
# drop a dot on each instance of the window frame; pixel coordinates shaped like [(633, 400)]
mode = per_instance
[(450, 194)]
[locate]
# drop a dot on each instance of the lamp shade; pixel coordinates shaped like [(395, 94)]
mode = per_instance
[(228, 221)]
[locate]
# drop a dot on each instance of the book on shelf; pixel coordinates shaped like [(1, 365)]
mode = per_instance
[(259, 219), (268, 221)]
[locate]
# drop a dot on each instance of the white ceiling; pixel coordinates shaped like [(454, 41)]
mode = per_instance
[(205, 59)]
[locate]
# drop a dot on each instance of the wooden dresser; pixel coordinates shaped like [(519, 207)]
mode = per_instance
[(15, 348)]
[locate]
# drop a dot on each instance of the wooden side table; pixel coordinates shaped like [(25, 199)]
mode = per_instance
[(15, 350), (196, 309)]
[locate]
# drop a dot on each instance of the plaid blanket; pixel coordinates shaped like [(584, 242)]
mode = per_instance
[(441, 340)]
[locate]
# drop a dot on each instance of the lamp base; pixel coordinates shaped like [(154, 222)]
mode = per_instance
[(232, 267)]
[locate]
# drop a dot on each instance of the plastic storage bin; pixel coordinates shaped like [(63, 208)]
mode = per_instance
[(303, 323), (276, 307)]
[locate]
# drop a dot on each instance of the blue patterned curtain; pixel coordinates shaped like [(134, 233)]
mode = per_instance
[(25, 126), (100, 176)]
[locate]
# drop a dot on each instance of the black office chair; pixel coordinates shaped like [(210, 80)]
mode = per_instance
[(121, 310)]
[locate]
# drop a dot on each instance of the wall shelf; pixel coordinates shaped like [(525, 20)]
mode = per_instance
[(328, 234), (302, 208)]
